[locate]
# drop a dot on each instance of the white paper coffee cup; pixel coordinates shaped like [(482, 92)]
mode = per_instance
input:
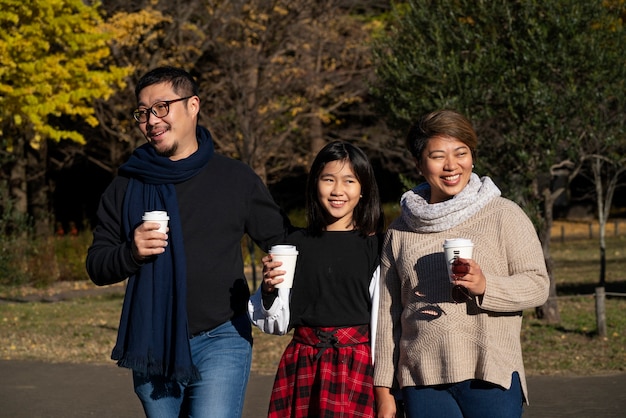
[(287, 254), (456, 248), (158, 216)]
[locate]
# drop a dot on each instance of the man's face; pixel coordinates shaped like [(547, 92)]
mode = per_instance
[(172, 135)]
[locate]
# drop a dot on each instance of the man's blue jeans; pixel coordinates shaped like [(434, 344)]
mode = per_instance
[(469, 399), (223, 356)]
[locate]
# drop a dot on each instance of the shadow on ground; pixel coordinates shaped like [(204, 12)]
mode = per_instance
[(574, 289)]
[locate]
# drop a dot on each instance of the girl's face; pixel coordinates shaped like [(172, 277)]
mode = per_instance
[(338, 191), (446, 164)]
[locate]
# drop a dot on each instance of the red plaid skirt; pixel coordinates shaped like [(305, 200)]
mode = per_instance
[(325, 373)]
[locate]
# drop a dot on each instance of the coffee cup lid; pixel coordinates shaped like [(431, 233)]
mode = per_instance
[(458, 242), (283, 249), (155, 215)]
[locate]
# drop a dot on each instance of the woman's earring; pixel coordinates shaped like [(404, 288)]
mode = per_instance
[(472, 165)]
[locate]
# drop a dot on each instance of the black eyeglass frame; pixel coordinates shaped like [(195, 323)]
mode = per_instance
[(138, 114)]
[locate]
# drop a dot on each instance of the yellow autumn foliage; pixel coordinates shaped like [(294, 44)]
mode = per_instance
[(53, 55)]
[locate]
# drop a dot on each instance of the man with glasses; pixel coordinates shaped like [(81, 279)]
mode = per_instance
[(183, 328)]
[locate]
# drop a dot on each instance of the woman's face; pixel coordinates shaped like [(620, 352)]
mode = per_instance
[(446, 164)]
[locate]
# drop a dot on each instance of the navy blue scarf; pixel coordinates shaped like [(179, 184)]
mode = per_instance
[(153, 336)]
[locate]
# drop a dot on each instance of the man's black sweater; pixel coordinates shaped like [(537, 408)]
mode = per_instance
[(218, 206)]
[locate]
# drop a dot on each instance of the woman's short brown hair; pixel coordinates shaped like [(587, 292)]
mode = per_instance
[(440, 123)]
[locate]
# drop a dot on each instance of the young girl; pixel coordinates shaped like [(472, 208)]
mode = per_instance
[(326, 370)]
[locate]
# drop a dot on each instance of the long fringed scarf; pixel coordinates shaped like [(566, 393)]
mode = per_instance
[(421, 216), (153, 336)]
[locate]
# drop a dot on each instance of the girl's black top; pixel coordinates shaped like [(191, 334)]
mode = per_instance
[(332, 278)]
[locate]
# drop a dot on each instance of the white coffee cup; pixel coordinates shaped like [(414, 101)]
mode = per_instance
[(457, 248), (158, 216), (287, 254)]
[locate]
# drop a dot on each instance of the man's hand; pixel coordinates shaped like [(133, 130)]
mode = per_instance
[(147, 241)]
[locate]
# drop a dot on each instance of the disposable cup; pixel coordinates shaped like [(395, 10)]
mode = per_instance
[(287, 254), (158, 216), (456, 248)]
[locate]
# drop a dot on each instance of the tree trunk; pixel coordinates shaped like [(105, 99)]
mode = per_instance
[(17, 181), (28, 186), (549, 311), (38, 189), (317, 137), (597, 164)]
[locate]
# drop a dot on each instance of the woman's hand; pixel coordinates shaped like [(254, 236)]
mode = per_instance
[(385, 403), (467, 273), (270, 274)]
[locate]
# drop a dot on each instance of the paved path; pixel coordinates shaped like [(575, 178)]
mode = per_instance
[(44, 390)]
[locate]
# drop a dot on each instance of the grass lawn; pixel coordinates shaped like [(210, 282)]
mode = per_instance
[(83, 329)]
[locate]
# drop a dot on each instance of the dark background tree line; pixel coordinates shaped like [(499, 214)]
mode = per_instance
[(543, 82)]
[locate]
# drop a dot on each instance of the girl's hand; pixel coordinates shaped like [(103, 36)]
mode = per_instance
[(270, 274)]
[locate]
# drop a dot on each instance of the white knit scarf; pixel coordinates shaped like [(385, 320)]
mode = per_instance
[(421, 216)]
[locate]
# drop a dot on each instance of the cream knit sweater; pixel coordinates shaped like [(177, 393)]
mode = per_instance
[(423, 337)]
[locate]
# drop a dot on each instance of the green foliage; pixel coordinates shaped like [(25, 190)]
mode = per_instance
[(15, 229), (298, 217), (36, 261), (70, 253), (533, 76), (407, 183), (51, 53), (12, 252), (392, 211), (42, 261), (27, 261)]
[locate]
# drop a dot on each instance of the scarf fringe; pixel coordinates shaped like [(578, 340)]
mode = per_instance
[(147, 366)]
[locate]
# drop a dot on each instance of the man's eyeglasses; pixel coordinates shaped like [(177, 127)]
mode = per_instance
[(159, 109)]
